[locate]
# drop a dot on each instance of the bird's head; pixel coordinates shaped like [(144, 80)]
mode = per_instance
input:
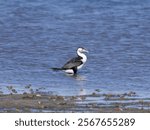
[(82, 50)]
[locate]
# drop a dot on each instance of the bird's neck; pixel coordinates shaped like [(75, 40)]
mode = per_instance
[(84, 57)]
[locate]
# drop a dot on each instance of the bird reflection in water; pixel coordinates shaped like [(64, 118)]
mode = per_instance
[(81, 83), (77, 77)]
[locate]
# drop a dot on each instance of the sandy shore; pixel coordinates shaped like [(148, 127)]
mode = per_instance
[(35, 102)]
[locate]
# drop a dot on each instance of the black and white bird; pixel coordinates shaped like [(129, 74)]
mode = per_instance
[(73, 65)]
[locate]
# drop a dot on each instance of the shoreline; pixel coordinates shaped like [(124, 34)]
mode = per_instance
[(111, 103)]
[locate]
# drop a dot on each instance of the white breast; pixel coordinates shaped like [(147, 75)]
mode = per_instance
[(84, 58), (79, 67)]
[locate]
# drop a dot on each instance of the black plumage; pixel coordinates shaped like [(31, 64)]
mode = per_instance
[(74, 62)]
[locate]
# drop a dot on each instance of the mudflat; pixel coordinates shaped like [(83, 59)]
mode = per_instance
[(36, 102)]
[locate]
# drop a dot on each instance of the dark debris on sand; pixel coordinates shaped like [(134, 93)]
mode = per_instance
[(36, 102)]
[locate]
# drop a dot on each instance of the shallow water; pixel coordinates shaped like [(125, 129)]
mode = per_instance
[(38, 35)]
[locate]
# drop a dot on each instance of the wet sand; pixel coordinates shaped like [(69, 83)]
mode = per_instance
[(35, 102)]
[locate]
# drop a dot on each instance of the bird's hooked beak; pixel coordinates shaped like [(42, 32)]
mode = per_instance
[(84, 50)]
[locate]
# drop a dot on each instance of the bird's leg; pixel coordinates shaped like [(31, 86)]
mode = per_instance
[(75, 70)]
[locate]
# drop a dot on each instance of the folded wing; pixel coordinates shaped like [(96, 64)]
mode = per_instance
[(73, 63)]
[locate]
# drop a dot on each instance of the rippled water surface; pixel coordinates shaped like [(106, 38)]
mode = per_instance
[(38, 35)]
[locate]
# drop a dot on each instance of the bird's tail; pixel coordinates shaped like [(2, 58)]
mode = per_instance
[(57, 69)]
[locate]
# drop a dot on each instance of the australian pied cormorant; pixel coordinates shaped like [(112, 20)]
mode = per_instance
[(73, 65)]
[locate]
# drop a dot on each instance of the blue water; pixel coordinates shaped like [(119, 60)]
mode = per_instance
[(38, 35)]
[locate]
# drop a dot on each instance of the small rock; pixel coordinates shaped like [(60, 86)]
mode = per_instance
[(28, 86), (97, 90), (93, 94), (38, 95), (14, 91), (39, 102), (25, 93)]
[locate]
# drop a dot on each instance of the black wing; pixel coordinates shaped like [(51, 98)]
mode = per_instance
[(73, 63)]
